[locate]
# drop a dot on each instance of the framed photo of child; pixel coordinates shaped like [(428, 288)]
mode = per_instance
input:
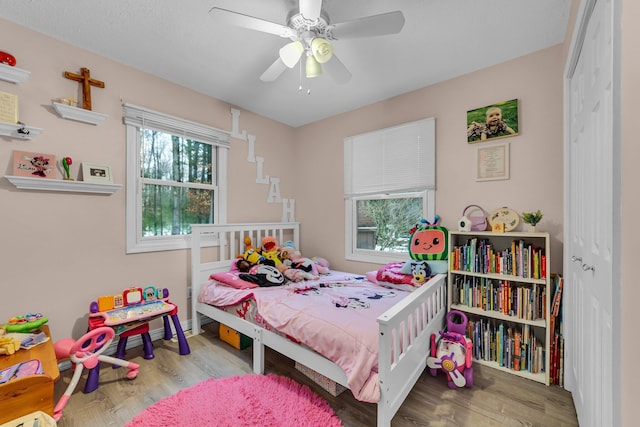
[(492, 122)]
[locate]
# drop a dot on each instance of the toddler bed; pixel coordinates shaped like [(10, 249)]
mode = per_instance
[(402, 324)]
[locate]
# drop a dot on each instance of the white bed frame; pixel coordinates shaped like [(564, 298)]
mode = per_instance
[(404, 330)]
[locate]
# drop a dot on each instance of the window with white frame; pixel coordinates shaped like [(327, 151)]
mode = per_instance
[(176, 176), (389, 185)]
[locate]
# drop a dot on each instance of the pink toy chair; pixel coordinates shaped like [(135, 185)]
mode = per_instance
[(86, 353)]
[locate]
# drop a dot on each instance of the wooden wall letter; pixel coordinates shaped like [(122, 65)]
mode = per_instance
[(251, 155), (274, 191), (288, 210), (235, 125), (259, 170)]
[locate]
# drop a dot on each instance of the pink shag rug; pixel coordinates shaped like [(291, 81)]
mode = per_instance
[(246, 400)]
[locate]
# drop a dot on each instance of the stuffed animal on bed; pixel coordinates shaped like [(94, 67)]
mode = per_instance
[(430, 242), (250, 254), (420, 272), (263, 276), (321, 264), (270, 251)]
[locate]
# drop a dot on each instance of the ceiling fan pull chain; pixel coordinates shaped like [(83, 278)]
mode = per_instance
[(300, 75)]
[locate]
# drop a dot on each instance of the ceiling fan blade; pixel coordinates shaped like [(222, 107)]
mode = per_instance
[(369, 26), (310, 9), (338, 71), (290, 53), (238, 19), (274, 71)]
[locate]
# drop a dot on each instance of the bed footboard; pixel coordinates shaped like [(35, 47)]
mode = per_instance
[(404, 342)]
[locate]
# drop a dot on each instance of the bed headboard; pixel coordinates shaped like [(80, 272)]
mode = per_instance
[(214, 247)]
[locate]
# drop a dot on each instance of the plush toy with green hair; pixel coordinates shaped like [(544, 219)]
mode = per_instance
[(429, 241)]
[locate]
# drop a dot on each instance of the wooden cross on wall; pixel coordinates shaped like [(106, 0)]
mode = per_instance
[(87, 82)]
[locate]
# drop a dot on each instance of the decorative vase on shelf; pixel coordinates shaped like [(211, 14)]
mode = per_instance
[(532, 228)]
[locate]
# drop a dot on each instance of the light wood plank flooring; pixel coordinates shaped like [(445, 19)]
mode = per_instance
[(497, 398)]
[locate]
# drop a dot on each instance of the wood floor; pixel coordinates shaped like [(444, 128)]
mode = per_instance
[(496, 399)]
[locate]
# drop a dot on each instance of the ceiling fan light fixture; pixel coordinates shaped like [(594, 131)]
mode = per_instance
[(313, 68), (291, 52), (322, 50)]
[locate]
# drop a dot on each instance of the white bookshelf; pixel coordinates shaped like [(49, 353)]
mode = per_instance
[(481, 292)]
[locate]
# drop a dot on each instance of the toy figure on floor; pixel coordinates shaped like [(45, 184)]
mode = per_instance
[(453, 351)]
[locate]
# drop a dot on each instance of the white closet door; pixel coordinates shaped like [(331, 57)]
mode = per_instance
[(588, 245)]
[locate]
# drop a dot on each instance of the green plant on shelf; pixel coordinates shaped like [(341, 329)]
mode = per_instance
[(532, 218)]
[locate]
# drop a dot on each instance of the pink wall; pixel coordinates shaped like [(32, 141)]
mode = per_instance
[(61, 250), (536, 153)]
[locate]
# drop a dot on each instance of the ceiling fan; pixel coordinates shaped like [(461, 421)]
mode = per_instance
[(311, 33)]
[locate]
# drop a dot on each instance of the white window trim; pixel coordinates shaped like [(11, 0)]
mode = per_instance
[(136, 243), (351, 250)]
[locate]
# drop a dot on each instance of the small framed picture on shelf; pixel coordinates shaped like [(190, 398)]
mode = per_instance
[(8, 107), (34, 165), (492, 162), (92, 172)]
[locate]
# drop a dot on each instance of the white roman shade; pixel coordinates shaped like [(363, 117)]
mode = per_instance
[(144, 118), (398, 159)]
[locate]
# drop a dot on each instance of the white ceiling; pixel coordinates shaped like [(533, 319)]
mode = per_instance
[(178, 41)]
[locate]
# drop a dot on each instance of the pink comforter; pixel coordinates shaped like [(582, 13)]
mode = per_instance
[(335, 316)]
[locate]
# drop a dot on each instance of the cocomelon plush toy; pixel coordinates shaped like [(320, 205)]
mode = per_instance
[(429, 242)]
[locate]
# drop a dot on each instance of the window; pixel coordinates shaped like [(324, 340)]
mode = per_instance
[(176, 176), (389, 186)]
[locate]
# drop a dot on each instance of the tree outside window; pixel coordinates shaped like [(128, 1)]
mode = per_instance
[(178, 183)]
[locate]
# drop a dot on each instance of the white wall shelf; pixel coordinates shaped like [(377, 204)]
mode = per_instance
[(28, 183), (13, 74), (11, 130), (79, 114)]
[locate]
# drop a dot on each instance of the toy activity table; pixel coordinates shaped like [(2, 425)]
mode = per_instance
[(130, 315)]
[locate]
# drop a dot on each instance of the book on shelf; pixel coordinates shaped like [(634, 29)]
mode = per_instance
[(520, 259), (524, 301), (508, 345), (555, 326)]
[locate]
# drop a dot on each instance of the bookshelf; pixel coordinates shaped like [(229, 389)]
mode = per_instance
[(502, 282)]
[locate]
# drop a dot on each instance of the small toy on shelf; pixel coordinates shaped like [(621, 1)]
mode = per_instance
[(7, 58), (71, 101), (66, 162)]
